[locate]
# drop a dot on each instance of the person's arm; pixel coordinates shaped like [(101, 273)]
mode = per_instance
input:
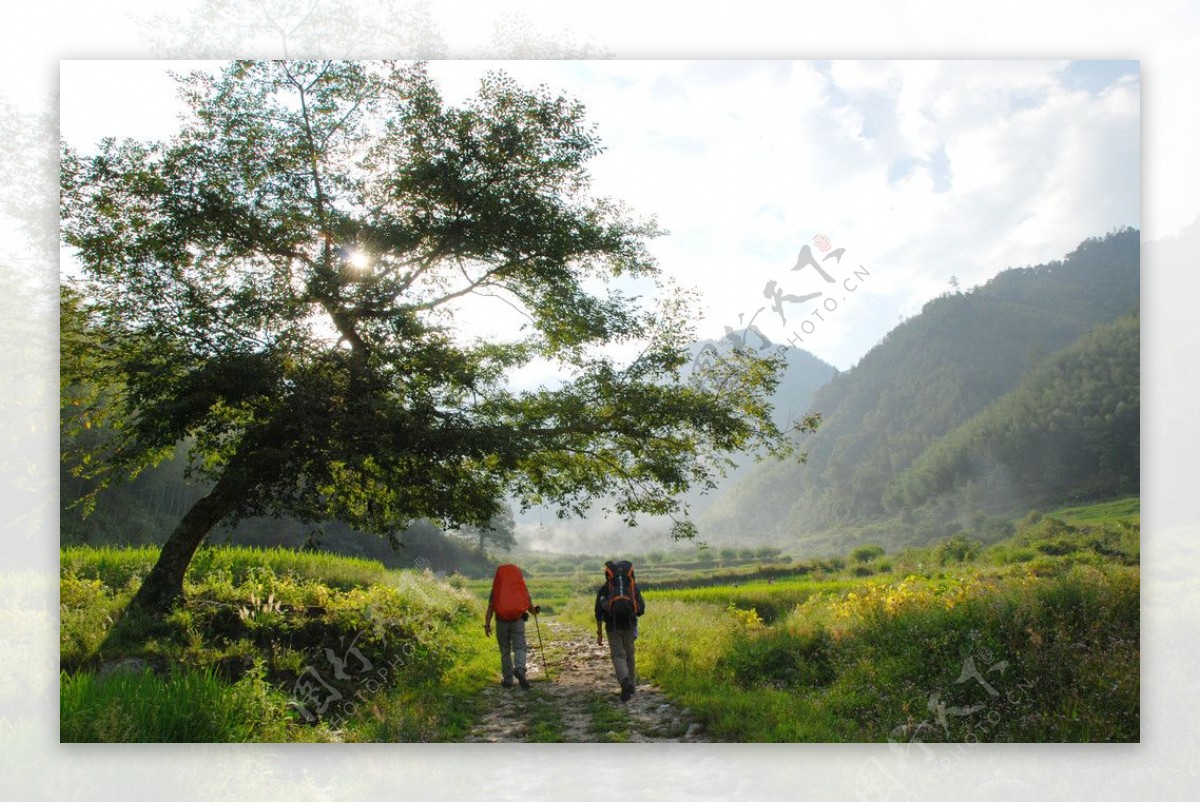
[(487, 617), (599, 617)]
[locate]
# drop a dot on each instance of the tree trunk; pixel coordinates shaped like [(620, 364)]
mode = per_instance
[(163, 587)]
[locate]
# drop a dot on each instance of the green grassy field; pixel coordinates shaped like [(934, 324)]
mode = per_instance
[(269, 646), (1031, 638), (1121, 510), (1034, 639)]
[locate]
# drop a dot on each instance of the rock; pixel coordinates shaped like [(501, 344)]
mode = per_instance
[(693, 730), (126, 666)]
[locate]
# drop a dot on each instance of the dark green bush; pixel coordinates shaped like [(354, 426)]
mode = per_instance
[(866, 553), (780, 658)]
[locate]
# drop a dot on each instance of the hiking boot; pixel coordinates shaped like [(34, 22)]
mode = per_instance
[(523, 680), (626, 689), (507, 683)]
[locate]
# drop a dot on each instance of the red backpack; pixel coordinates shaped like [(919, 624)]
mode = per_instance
[(621, 597), (510, 598)]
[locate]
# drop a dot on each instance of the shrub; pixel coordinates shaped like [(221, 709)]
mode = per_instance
[(866, 553), (781, 658), (957, 549), (745, 617)]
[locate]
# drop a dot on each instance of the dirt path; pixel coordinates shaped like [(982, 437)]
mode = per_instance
[(580, 702)]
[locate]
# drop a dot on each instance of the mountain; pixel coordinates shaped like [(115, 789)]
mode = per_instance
[(927, 377), (539, 528), (1069, 431)]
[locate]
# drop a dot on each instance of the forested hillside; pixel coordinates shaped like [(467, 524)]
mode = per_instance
[(927, 377), (1069, 431)]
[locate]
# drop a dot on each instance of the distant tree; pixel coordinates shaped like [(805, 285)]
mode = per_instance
[(499, 532), (866, 553), (278, 285)]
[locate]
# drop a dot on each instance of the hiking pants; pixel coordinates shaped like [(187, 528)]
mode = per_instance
[(620, 644), (511, 637)]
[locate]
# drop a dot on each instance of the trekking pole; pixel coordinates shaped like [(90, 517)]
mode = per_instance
[(545, 666)]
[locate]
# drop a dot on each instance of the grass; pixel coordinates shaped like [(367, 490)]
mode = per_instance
[(1121, 510), (544, 720), (355, 651), (117, 567), (1035, 638), (608, 722), (1030, 638), (769, 600), (185, 705)]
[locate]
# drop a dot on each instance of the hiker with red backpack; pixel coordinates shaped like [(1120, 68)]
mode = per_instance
[(510, 603), (619, 603)]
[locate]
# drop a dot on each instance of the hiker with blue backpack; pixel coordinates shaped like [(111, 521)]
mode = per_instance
[(619, 603)]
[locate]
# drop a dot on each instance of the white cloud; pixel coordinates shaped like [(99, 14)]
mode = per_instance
[(920, 169)]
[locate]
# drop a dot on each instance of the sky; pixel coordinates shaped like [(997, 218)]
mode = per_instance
[(895, 175)]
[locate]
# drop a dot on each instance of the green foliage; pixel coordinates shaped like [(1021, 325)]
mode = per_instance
[(1108, 540), (768, 601), (866, 553), (1069, 429), (957, 549), (118, 568), (1121, 510), (185, 705), (276, 286), (1060, 654), (776, 658), (394, 655)]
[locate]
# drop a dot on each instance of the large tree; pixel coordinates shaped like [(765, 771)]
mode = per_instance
[(277, 286)]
